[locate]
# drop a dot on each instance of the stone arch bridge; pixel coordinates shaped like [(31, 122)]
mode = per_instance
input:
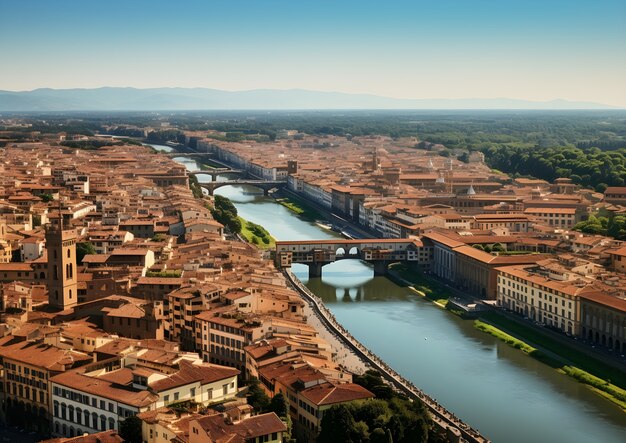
[(265, 185), (215, 172), (318, 253)]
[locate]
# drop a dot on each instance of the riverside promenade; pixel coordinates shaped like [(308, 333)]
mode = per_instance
[(441, 417)]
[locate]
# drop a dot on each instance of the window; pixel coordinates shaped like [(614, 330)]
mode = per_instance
[(175, 396)]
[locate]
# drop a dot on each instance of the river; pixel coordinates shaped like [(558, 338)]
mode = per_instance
[(508, 396)]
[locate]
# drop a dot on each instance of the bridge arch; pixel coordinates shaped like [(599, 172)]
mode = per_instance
[(265, 186)]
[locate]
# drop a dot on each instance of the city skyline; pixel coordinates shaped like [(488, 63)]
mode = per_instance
[(531, 51)]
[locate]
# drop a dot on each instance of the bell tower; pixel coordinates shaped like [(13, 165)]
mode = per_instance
[(62, 279)]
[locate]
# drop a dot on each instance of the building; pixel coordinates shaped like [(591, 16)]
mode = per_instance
[(615, 195), (308, 393), (564, 218), (27, 370), (545, 294), (603, 321), (106, 393), (263, 428)]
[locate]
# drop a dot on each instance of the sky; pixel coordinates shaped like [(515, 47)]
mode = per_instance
[(525, 49)]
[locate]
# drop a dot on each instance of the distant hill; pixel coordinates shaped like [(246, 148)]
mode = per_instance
[(179, 99)]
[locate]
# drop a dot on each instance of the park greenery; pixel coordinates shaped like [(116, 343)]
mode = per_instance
[(226, 213), (589, 167), (256, 234), (195, 187), (390, 417), (612, 226), (299, 207)]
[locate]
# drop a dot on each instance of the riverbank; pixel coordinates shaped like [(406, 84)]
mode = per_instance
[(441, 417), (300, 208), (602, 378), (256, 234), (428, 287)]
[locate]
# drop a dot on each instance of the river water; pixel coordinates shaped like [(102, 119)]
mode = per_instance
[(508, 396)]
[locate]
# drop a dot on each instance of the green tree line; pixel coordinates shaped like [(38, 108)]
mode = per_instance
[(226, 213), (586, 167)]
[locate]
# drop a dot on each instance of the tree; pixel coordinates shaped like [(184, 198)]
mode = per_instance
[(278, 405), (337, 426), (47, 197), (82, 249), (130, 429), (257, 398), (498, 247), (380, 435), (616, 227), (226, 213), (601, 187)]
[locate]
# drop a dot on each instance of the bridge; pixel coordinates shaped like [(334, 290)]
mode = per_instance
[(214, 172), (185, 154), (265, 185), (381, 252)]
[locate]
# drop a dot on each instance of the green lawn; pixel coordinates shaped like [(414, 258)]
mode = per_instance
[(300, 207), (250, 231)]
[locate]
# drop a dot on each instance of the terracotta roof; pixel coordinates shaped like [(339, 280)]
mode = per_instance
[(248, 429), (550, 211), (99, 437), (43, 356), (328, 393), (105, 388), (188, 373), (606, 300)]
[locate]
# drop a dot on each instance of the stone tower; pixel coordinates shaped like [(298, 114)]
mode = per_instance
[(62, 279)]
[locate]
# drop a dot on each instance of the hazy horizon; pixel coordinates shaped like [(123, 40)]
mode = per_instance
[(534, 50)]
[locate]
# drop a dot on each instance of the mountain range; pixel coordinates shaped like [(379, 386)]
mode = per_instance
[(188, 99)]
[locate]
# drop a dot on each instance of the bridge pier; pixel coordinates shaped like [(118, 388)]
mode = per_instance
[(380, 268), (315, 270)]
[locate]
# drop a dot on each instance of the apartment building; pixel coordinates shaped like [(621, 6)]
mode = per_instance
[(544, 294), (28, 368), (108, 392), (603, 320), (564, 218)]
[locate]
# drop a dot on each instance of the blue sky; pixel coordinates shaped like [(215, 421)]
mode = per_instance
[(536, 50)]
